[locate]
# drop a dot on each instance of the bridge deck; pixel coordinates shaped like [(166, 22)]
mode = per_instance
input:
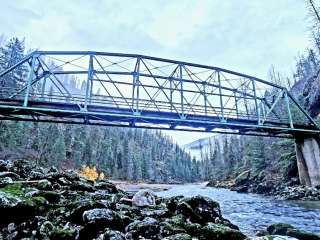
[(45, 111)]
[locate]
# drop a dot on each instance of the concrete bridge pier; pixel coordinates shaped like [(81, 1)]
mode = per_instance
[(308, 160)]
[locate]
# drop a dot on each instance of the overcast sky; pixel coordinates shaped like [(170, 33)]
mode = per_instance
[(247, 36)]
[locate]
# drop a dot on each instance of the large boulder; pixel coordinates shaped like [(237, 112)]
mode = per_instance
[(5, 165), (279, 228), (220, 232), (98, 216), (199, 209), (272, 237), (77, 209), (10, 175), (106, 186), (179, 236), (242, 178), (288, 230), (96, 220), (44, 184), (144, 198), (15, 208), (147, 228), (112, 235)]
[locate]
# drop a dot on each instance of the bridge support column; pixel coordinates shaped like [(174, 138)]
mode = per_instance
[(308, 160)]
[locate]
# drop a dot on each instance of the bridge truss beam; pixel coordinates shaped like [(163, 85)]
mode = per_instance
[(129, 90)]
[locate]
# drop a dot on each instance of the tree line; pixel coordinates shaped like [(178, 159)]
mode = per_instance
[(227, 156), (130, 154)]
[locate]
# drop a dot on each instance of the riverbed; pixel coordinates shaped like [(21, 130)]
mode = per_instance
[(252, 212)]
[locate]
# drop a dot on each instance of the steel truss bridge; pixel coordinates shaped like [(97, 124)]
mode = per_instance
[(129, 90)]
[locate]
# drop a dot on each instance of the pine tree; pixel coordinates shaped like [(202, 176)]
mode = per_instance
[(11, 54)]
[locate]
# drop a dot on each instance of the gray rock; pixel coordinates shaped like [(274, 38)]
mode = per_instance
[(98, 215), (5, 165), (272, 237), (220, 232), (106, 186), (288, 230), (6, 180), (8, 200), (144, 198), (279, 228), (179, 236), (199, 209), (9, 174), (79, 207), (11, 227), (45, 229), (112, 235), (44, 185), (36, 175), (147, 228)]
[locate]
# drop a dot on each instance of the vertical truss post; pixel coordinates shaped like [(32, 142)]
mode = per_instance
[(171, 93), (255, 100), (89, 82), (205, 97), (288, 108), (43, 87), (263, 109), (221, 99), (29, 80), (135, 87), (236, 103), (181, 90)]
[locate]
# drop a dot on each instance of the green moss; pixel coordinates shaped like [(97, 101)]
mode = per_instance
[(220, 232), (60, 233), (13, 189), (39, 200)]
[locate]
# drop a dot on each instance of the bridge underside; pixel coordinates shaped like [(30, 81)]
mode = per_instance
[(69, 113), (128, 90)]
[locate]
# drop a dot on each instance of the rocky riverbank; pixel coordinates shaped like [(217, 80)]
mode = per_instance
[(39, 203), (247, 182)]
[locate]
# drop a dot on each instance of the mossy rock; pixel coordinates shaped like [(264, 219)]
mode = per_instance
[(178, 220), (50, 196), (63, 234), (13, 189), (302, 235), (193, 229), (167, 229), (199, 209), (79, 207), (113, 235), (242, 178), (147, 228), (179, 236), (279, 228), (220, 232), (44, 184)]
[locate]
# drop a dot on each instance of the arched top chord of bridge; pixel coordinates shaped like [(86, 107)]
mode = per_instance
[(130, 90)]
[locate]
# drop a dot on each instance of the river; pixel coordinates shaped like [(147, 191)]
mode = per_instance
[(251, 211)]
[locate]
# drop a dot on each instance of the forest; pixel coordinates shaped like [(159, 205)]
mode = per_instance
[(128, 154), (228, 156)]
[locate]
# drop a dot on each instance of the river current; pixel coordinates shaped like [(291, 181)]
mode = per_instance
[(253, 212)]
